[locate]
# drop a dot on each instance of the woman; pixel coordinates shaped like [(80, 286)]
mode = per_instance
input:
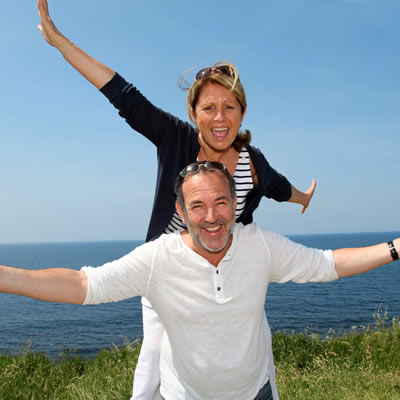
[(216, 103)]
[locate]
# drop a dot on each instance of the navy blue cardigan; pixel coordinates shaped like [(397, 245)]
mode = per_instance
[(177, 146)]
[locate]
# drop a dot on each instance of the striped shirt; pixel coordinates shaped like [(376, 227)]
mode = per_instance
[(244, 183)]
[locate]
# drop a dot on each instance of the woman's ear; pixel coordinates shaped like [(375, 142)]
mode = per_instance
[(193, 113)]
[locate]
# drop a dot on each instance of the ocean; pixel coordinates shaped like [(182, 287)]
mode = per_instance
[(323, 308)]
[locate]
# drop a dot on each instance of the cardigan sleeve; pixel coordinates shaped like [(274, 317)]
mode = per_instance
[(176, 142), (159, 126), (272, 184)]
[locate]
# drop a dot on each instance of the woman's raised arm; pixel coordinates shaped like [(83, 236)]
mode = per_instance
[(94, 71)]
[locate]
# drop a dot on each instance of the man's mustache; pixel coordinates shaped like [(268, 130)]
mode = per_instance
[(219, 221)]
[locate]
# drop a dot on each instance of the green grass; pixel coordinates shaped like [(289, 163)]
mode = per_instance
[(35, 376), (363, 365), (354, 366)]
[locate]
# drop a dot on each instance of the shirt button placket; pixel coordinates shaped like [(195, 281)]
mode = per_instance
[(218, 285)]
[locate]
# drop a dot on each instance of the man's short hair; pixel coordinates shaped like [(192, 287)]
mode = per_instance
[(197, 167)]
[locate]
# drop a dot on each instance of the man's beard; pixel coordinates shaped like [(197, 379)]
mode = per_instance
[(197, 238)]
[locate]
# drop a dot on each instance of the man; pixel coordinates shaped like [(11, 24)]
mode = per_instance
[(208, 285)]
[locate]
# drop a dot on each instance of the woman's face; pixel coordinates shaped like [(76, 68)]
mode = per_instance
[(218, 116)]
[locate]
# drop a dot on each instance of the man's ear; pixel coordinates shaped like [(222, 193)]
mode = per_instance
[(180, 211)]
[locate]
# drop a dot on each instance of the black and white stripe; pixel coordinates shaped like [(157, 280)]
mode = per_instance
[(243, 180), (175, 224)]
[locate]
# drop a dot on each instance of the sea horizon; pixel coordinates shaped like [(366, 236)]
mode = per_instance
[(322, 308), (143, 240)]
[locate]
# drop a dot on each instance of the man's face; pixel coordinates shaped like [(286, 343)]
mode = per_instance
[(209, 211)]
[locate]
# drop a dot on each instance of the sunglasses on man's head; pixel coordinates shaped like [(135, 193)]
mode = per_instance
[(195, 167), (206, 72)]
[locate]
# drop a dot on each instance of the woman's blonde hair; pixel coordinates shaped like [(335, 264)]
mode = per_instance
[(226, 75)]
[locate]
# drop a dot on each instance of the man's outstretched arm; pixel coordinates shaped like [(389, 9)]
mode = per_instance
[(58, 285), (354, 261)]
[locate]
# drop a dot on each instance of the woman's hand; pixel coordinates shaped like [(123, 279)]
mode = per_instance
[(95, 72), (47, 28), (308, 194), (303, 198)]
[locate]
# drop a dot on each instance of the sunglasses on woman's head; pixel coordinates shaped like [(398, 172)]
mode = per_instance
[(206, 72)]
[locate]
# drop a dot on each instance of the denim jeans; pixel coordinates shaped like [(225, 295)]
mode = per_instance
[(265, 393)]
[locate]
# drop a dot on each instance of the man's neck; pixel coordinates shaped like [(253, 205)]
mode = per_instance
[(213, 258)]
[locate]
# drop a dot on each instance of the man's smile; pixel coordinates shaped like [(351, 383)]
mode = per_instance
[(212, 228)]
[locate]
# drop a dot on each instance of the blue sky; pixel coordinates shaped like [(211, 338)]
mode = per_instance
[(323, 88)]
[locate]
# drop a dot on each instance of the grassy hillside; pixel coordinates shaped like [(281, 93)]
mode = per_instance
[(360, 366)]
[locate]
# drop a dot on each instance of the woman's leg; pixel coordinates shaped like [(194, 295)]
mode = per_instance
[(271, 359), (146, 384)]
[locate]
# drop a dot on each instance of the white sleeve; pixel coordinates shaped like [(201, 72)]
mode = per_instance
[(292, 261), (120, 279)]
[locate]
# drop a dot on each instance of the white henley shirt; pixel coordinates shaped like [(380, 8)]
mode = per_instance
[(214, 345)]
